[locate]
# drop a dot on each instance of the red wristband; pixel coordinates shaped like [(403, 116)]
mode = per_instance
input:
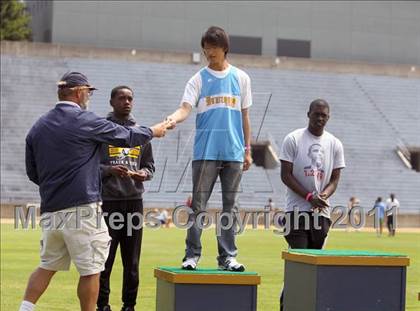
[(309, 196)]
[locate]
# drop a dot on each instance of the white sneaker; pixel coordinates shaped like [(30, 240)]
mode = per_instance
[(190, 263), (231, 264)]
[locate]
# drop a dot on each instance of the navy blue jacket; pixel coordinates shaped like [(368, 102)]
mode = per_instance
[(63, 154)]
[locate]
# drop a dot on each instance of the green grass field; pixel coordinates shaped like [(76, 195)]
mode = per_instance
[(260, 250)]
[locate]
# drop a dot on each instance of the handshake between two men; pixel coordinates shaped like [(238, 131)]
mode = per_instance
[(182, 113), (159, 129)]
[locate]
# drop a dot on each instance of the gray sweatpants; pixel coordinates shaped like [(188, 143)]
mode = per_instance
[(205, 173)]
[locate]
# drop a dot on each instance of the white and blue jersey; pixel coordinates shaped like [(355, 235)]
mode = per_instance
[(219, 97)]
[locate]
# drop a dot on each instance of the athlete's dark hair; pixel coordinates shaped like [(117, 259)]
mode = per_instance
[(319, 102), (216, 36), (120, 87)]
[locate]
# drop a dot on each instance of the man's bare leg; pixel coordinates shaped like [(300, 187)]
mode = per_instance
[(37, 284), (87, 291)]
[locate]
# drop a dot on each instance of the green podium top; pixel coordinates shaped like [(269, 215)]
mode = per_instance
[(345, 257), (206, 276), (333, 252)]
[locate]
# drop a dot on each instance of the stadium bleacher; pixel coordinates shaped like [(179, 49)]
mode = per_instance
[(370, 114)]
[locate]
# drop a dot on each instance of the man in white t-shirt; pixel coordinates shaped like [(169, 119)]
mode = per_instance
[(392, 205), (221, 94), (311, 162)]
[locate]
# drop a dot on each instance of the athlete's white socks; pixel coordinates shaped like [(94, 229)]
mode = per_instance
[(27, 306)]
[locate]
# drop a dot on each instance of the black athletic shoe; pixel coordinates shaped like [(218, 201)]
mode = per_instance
[(104, 308), (128, 309)]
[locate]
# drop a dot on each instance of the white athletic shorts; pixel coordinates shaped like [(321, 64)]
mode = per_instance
[(77, 234)]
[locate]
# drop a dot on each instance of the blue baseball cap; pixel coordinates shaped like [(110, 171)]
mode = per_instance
[(74, 79)]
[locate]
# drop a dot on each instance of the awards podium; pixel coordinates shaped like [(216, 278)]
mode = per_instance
[(319, 280), (205, 290)]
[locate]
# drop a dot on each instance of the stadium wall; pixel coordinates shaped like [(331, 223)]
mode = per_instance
[(373, 31)]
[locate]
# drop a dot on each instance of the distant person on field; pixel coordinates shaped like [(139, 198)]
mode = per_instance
[(352, 213), (189, 201), (163, 217), (270, 206), (379, 214), (392, 206)]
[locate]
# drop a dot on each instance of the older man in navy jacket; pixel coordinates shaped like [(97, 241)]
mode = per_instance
[(62, 158)]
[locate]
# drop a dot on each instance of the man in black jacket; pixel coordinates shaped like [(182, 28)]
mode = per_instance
[(123, 172)]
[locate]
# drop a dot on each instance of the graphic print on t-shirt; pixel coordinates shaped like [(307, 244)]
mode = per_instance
[(123, 156), (316, 155)]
